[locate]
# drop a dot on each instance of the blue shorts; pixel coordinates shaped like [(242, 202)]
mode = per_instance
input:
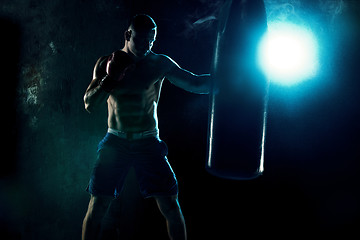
[(116, 155)]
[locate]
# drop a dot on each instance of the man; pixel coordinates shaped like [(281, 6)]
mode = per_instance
[(130, 81)]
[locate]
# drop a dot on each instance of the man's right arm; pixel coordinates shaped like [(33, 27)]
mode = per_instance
[(184, 79), (95, 95)]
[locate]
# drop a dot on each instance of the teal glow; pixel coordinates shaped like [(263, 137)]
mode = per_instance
[(288, 53)]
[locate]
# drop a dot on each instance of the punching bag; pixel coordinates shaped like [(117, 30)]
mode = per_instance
[(238, 101)]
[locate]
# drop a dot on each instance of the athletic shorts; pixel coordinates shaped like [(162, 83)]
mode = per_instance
[(116, 155)]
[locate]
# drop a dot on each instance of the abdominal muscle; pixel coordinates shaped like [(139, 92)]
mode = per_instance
[(132, 113)]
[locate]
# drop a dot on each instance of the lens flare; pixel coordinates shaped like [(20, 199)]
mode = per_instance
[(288, 53)]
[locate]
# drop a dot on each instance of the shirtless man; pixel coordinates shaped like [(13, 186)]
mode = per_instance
[(130, 81)]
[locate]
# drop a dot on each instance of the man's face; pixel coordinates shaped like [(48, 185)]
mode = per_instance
[(141, 42)]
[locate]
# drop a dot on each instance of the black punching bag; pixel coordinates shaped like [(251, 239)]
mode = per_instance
[(238, 102)]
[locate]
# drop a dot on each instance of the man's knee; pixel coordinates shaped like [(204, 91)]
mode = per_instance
[(169, 206), (97, 207)]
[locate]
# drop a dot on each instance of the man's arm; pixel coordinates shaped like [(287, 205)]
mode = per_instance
[(95, 95), (187, 80)]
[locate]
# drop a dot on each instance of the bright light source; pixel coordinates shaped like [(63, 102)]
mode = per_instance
[(288, 53)]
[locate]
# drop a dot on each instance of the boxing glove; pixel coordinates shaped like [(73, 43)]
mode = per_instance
[(118, 64)]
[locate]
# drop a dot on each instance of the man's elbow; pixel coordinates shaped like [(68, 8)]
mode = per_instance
[(88, 106)]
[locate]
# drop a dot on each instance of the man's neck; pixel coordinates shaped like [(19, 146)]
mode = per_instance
[(133, 56)]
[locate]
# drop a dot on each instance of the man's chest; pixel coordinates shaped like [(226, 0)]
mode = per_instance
[(141, 76)]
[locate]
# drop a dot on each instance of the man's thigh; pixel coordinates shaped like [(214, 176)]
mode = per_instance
[(108, 173)]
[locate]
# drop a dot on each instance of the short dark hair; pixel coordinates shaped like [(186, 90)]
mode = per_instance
[(142, 22)]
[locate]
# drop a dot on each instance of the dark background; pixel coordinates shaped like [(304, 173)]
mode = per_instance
[(310, 184)]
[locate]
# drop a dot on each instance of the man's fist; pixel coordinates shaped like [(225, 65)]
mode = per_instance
[(118, 64)]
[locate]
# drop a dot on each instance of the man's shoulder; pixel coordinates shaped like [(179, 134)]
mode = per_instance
[(100, 67), (101, 62), (162, 60), (158, 56)]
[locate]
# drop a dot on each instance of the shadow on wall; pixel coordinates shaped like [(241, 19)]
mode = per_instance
[(10, 43), (9, 48)]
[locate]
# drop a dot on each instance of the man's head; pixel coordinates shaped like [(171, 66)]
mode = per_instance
[(140, 35)]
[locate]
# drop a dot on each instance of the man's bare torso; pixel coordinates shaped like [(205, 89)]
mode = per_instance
[(132, 105)]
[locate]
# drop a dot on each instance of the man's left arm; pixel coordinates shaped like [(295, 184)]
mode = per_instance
[(184, 79)]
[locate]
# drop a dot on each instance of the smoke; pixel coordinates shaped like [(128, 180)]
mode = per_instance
[(297, 10), (202, 18), (332, 8), (282, 10)]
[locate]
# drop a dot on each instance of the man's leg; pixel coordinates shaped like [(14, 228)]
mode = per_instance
[(170, 208), (98, 206)]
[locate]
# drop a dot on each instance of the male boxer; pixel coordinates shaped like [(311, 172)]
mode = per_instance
[(130, 81)]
